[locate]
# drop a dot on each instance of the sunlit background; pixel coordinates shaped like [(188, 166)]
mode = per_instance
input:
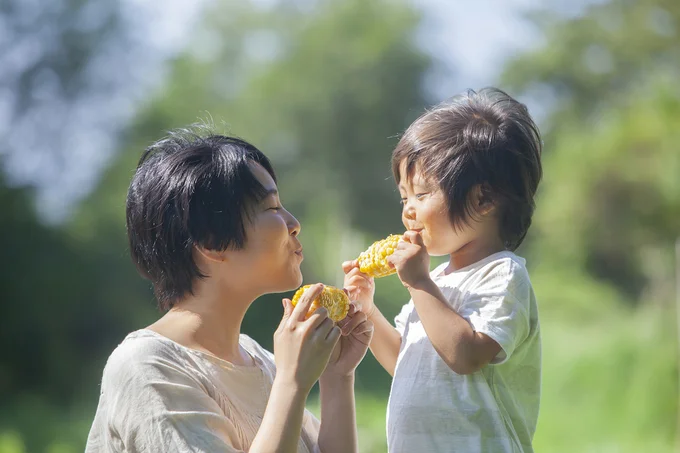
[(324, 88)]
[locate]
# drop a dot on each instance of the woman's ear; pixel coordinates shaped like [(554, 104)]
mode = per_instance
[(216, 256)]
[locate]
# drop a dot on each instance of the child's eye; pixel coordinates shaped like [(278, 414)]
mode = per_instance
[(275, 208), (420, 196), (402, 201)]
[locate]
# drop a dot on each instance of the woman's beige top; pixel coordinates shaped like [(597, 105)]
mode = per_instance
[(159, 396)]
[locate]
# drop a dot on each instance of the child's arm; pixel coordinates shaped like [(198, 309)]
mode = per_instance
[(386, 339), (462, 349)]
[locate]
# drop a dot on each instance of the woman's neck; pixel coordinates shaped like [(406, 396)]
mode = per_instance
[(209, 321)]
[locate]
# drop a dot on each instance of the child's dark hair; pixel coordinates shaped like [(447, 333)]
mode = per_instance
[(482, 139), (192, 188)]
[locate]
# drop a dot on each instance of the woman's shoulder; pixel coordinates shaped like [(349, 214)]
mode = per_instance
[(263, 357), (142, 344), (142, 353), (256, 350)]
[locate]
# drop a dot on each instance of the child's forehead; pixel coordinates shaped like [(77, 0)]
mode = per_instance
[(413, 176)]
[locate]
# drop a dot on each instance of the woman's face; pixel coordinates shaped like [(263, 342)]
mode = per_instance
[(272, 253)]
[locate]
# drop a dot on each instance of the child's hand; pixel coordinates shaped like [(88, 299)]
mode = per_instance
[(411, 260), (360, 287)]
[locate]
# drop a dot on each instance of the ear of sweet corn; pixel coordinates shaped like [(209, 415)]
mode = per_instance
[(374, 260), (333, 299)]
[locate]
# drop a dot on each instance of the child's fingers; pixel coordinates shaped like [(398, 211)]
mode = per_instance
[(356, 271), (353, 291), (352, 272), (357, 280), (413, 237), (347, 266)]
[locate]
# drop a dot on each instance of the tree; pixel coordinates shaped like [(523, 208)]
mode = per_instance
[(609, 200), (323, 92)]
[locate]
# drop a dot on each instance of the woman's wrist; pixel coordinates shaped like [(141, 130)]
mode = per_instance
[(290, 385)]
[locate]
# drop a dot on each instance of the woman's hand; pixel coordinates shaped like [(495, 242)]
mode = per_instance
[(357, 332), (302, 347)]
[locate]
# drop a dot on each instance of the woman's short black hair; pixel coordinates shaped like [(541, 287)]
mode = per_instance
[(482, 139), (191, 188)]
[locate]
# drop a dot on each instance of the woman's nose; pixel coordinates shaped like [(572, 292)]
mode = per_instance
[(294, 226)]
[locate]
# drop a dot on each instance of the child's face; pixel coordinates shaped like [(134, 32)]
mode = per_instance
[(425, 209)]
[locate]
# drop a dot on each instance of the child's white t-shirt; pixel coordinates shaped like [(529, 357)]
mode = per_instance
[(433, 409)]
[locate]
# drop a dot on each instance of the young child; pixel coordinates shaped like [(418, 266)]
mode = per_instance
[(466, 350)]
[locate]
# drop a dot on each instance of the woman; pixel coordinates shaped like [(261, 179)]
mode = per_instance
[(206, 226)]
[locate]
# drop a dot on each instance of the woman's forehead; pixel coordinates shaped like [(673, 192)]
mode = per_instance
[(263, 177)]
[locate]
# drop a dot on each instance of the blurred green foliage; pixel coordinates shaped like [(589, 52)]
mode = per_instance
[(324, 91)]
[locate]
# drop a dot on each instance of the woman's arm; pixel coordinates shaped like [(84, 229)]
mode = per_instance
[(338, 433), (282, 422)]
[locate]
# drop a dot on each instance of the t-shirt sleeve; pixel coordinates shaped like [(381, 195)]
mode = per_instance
[(155, 405), (499, 306)]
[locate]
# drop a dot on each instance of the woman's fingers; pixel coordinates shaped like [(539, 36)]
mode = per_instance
[(323, 329), (353, 323), (316, 318), (302, 308)]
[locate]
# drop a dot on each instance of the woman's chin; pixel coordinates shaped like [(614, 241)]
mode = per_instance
[(294, 281)]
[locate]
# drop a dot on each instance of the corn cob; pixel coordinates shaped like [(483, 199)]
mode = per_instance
[(333, 299), (374, 260)]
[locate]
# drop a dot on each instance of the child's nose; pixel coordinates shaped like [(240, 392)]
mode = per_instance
[(409, 212)]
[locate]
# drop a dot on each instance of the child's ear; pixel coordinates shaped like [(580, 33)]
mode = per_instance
[(484, 199)]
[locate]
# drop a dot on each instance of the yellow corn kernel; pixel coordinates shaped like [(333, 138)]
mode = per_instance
[(333, 299), (374, 260)]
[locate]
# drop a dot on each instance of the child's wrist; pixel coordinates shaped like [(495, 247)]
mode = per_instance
[(424, 284), (371, 312)]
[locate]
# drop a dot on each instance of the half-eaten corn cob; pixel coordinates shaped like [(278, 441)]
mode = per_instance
[(333, 299), (374, 260)]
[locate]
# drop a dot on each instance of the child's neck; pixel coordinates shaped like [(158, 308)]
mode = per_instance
[(472, 252)]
